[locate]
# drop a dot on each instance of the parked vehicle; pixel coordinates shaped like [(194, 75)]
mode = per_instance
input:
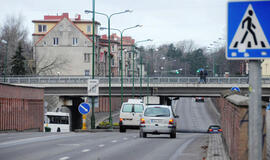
[(130, 114), (57, 122), (158, 119), (214, 129), (199, 99)]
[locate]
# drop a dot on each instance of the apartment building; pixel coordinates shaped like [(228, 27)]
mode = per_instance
[(63, 46)]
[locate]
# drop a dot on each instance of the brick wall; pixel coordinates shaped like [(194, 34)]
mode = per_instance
[(21, 108), (234, 122)]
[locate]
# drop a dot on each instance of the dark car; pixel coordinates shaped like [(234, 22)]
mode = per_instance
[(199, 99), (214, 129)]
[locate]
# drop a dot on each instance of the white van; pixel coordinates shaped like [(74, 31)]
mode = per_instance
[(130, 114)]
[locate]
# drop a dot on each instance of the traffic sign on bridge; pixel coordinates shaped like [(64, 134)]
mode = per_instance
[(248, 30)]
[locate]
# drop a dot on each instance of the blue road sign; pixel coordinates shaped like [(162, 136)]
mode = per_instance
[(235, 89), (84, 108), (248, 30)]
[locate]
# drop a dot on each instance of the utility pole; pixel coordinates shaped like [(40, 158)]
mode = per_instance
[(255, 111)]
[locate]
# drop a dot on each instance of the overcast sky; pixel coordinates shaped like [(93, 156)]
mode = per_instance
[(164, 21)]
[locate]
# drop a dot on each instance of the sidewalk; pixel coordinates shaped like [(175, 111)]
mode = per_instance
[(216, 150), (102, 116)]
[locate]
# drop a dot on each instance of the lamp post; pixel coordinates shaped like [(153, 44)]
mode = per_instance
[(147, 40), (93, 119), (5, 62), (121, 66), (109, 52)]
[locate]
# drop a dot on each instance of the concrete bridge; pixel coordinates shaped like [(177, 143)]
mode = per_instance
[(158, 86)]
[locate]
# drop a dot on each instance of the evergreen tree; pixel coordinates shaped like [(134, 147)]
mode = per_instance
[(17, 63), (196, 60)]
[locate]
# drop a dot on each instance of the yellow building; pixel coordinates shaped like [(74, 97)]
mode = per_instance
[(266, 67)]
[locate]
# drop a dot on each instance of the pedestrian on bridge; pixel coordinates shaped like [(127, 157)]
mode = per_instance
[(201, 76), (205, 74)]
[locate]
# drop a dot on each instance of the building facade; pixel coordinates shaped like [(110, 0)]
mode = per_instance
[(63, 46)]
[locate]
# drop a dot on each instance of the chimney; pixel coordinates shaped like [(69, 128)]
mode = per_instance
[(78, 17), (65, 15)]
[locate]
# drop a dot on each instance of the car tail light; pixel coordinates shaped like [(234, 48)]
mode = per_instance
[(171, 121), (142, 121), (121, 119), (210, 130), (220, 130)]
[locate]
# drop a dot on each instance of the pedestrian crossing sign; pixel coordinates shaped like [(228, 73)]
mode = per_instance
[(248, 30)]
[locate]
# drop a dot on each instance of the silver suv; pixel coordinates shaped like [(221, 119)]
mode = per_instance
[(158, 119)]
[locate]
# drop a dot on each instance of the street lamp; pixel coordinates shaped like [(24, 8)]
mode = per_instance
[(109, 52), (121, 66), (147, 40), (93, 120), (5, 63)]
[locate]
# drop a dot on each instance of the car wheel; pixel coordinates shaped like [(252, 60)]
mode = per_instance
[(144, 135), (173, 134), (122, 129), (141, 134)]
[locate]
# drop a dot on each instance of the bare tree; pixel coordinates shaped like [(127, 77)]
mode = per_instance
[(14, 32), (186, 46), (46, 65)]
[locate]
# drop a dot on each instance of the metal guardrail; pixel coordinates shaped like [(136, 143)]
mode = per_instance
[(127, 80)]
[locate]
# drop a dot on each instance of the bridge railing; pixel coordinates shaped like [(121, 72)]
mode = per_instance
[(127, 80)]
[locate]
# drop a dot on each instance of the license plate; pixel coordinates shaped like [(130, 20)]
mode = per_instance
[(155, 120)]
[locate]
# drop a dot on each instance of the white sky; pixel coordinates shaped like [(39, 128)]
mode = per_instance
[(164, 21)]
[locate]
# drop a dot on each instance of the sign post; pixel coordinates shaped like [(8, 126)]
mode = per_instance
[(84, 108), (248, 39)]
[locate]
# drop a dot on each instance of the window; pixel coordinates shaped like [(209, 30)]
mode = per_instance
[(88, 30), (42, 28), (74, 41), (112, 61), (127, 108), (157, 112), (138, 108), (55, 41), (86, 72), (58, 119), (86, 57)]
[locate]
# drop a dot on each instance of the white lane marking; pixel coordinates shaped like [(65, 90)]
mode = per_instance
[(101, 145), (86, 150), (114, 141), (64, 158), (34, 139), (68, 144), (125, 138)]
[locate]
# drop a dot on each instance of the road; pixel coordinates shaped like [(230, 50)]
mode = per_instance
[(115, 145)]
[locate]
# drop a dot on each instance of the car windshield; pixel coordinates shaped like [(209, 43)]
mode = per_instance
[(127, 108), (157, 112)]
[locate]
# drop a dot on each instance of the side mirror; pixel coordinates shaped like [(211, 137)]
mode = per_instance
[(176, 116)]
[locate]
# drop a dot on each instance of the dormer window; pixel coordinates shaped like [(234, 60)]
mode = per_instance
[(88, 30), (42, 28)]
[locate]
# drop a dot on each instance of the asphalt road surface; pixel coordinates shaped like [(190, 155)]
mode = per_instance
[(188, 145)]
